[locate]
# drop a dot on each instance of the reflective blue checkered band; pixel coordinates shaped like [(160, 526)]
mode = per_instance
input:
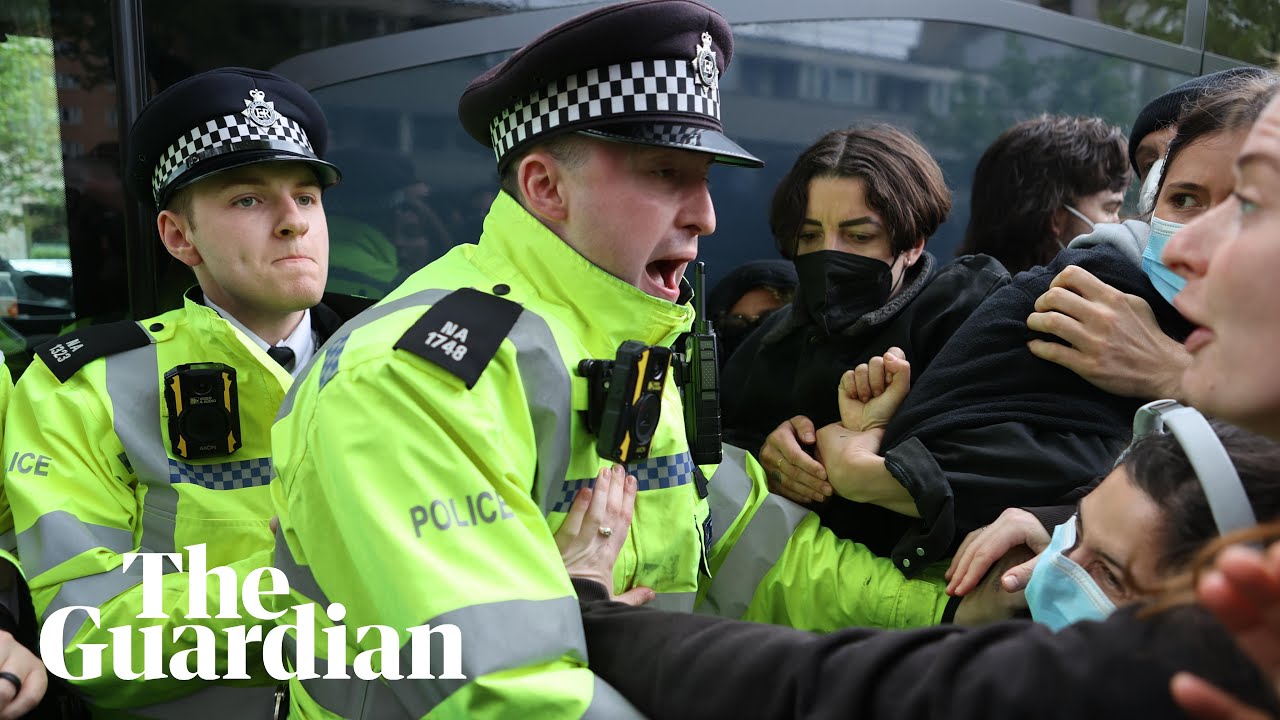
[(230, 133), (655, 473), (222, 476), (646, 86), (330, 366)]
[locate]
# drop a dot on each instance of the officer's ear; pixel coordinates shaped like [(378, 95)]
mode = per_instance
[(541, 179), (175, 232)]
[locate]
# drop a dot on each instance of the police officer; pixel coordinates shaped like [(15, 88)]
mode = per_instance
[(443, 430), (120, 445)]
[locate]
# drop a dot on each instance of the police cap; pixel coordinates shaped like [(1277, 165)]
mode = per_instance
[(223, 119), (644, 72)]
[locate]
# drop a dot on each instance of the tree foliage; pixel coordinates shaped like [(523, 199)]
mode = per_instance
[(30, 149)]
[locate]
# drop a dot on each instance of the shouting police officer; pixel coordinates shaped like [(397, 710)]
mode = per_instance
[(154, 436), (446, 430)]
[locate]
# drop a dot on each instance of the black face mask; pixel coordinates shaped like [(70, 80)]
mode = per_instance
[(836, 288)]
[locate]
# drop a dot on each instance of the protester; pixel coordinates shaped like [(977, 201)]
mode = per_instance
[(1041, 183)]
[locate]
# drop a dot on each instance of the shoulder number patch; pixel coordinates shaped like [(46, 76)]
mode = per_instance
[(65, 355), (462, 332)]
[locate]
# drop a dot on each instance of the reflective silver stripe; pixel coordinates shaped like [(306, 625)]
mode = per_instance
[(300, 577), (674, 601), (59, 536), (542, 372), (91, 591), (217, 701), (549, 398), (728, 491), (495, 636), (653, 473), (8, 541), (608, 704), (339, 338), (752, 556), (133, 383)]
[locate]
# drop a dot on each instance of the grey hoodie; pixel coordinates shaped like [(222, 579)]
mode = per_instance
[(1129, 237)]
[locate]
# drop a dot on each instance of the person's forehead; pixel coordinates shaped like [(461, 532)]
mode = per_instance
[(1158, 139), (1264, 138)]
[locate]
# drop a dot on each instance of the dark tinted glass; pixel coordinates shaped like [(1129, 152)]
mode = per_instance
[(1247, 30), (1163, 19), (955, 86)]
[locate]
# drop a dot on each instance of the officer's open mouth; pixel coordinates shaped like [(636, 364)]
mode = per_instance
[(667, 273)]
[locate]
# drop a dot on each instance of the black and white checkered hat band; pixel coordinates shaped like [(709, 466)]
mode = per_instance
[(667, 87), (230, 133)]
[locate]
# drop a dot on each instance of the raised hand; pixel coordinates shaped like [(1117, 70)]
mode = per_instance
[(871, 393)]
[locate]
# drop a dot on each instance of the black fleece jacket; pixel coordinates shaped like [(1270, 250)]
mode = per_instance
[(990, 426), (678, 665)]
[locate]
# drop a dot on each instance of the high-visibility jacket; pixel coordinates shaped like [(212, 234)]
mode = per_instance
[(772, 561), (415, 492), (362, 261), (93, 477), (8, 541)]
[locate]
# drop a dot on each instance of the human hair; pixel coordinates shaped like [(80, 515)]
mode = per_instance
[(1031, 171), (569, 149), (1158, 466), (904, 184), (1233, 106)]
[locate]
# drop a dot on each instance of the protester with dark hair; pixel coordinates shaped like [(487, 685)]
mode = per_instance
[(853, 213), (992, 426), (1109, 337), (745, 297), (1134, 533), (1041, 183), (1156, 125)]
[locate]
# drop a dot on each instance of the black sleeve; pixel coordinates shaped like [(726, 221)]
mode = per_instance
[(987, 469), (676, 665)]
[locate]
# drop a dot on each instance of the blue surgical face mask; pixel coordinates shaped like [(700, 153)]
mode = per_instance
[(1060, 591), (1166, 282)]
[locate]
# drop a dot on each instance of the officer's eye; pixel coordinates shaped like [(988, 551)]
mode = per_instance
[(307, 200), (245, 201)]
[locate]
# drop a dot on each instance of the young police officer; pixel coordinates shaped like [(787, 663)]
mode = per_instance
[(154, 436), (441, 431)]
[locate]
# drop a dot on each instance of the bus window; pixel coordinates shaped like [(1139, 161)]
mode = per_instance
[(35, 264)]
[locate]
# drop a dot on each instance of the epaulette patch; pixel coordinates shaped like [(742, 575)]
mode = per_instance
[(462, 332), (64, 356)]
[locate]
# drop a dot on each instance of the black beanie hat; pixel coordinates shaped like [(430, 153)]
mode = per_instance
[(1166, 109)]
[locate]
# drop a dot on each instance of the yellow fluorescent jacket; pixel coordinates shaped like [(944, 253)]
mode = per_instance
[(105, 482)]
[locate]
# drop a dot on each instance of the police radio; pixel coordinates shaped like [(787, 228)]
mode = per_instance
[(204, 410), (698, 374), (624, 399)]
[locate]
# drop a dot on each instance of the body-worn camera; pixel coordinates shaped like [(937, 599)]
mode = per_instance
[(204, 410), (625, 399)]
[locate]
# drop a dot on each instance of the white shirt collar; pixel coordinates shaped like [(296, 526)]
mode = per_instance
[(302, 341)]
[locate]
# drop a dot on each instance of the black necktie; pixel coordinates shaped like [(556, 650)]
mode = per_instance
[(282, 355)]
